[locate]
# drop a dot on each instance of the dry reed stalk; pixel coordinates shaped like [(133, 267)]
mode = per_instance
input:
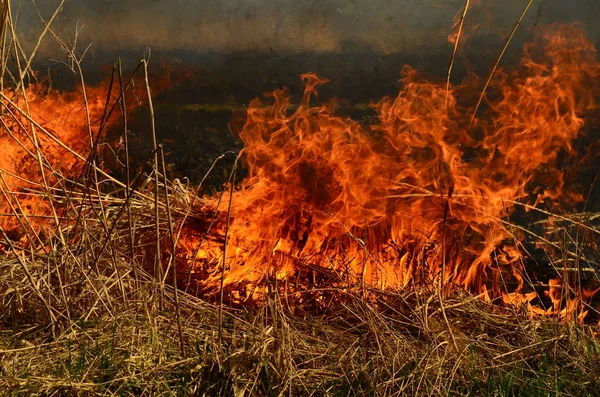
[(231, 182), (173, 256), (3, 37), (495, 67), (455, 49), (443, 269), (158, 266), (128, 190)]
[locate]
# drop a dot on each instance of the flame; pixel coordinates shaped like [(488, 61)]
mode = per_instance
[(418, 196), (422, 197), (64, 126), (57, 123), (38, 117)]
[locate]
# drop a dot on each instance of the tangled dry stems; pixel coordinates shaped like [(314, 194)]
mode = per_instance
[(86, 315), (88, 319)]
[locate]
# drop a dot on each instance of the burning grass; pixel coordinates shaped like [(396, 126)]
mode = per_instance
[(104, 334), (377, 260), (91, 318)]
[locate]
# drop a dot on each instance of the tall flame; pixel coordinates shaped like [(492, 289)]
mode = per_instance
[(419, 193), (422, 196)]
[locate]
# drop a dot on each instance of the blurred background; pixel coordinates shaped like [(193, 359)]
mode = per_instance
[(220, 54), (283, 26)]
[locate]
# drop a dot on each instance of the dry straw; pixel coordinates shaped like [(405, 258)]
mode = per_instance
[(92, 306)]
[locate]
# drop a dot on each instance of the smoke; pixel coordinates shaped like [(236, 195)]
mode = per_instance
[(381, 26)]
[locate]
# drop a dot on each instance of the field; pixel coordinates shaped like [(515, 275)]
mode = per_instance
[(420, 244)]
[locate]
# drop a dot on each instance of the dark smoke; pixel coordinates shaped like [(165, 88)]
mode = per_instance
[(292, 26)]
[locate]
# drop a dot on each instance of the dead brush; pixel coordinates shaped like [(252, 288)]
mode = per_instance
[(93, 302)]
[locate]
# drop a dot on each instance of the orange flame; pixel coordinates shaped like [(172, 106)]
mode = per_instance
[(25, 117), (420, 197), (416, 195)]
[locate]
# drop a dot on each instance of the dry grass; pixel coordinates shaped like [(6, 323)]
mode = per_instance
[(101, 341), (90, 319), (90, 314)]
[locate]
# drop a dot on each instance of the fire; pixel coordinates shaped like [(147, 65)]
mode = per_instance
[(64, 126), (421, 195), (42, 118), (420, 198)]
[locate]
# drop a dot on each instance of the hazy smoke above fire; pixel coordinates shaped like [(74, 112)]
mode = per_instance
[(381, 26)]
